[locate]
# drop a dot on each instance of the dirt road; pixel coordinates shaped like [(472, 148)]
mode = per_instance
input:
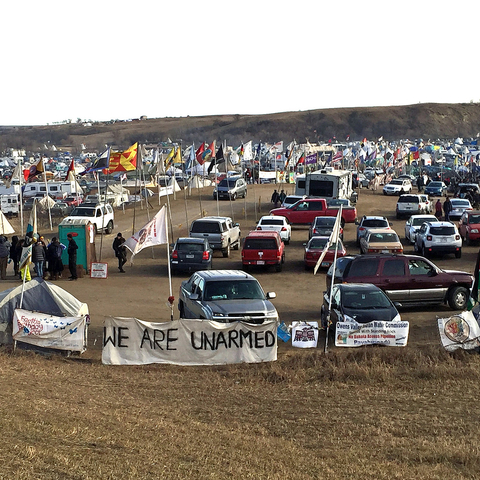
[(143, 291)]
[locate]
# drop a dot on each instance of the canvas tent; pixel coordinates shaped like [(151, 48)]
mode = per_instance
[(39, 296), (5, 227)]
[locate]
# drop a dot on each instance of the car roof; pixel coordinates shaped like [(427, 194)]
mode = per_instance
[(373, 217), (440, 224), (212, 219), (381, 230), (272, 217), (224, 275), (423, 216)]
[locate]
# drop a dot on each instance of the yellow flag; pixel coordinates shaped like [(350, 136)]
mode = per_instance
[(178, 156), (168, 160)]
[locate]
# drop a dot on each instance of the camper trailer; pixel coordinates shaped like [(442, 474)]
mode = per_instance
[(326, 183), (9, 204), (57, 190)]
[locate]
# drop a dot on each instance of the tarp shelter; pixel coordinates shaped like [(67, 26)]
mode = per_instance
[(39, 296), (199, 182), (5, 227)]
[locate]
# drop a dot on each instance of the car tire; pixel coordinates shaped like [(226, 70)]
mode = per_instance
[(384, 192), (237, 245), (458, 254), (424, 252), (109, 228), (278, 267), (226, 251), (458, 298), (287, 242), (182, 310), (468, 242), (233, 197)]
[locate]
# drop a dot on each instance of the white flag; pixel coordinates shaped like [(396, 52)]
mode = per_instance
[(153, 233), (333, 240)]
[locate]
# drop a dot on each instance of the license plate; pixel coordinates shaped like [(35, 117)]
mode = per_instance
[(260, 262), (325, 264), (189, 256), (385, 251)]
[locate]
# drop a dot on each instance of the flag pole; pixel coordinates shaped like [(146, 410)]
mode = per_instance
[(46, 188), (20, 177), (168, 261)]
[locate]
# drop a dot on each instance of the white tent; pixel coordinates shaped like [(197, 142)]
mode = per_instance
[(5, 227), (199, 182)]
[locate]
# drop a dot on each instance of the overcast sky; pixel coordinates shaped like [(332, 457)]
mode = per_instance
[(105, 59)]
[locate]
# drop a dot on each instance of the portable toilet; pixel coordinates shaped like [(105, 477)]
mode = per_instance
[(83, 232)]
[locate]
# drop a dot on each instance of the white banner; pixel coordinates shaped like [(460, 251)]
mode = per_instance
[(304, 335), (153, 233), (265, 174), (129, 341), (48, 331), (459, 331), (390, 334)]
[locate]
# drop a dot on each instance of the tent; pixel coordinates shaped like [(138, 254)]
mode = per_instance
[(39, 296), (5, 227)]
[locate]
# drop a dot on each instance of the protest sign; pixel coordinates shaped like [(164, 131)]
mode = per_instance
[(352, 334)]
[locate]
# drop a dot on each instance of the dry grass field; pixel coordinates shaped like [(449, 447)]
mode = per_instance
[(355, 413)]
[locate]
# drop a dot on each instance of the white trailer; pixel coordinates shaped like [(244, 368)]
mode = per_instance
[(55, 189), (9, 204)]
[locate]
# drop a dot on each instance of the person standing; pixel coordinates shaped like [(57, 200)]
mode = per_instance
[(54, 257), (72, 257), (438, 209), (447, 208), (120, 251), (14, 256), (282, 196), (4, 255), (38, 257), (275, 198)]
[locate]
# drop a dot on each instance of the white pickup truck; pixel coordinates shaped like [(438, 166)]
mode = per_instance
[(221, 233), (101, 215)]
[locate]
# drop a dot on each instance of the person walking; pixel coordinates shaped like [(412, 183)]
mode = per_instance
[(447, 208), (38, 257), (438, 209), (275, 198), (14, 256), (282, 196), (4, 255), (72, 257), (120, 251)]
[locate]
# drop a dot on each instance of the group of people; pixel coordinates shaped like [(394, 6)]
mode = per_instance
[(46, 257), (446, 207), (278, 198)]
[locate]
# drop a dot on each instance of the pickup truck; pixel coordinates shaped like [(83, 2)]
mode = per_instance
[(304, 211), (221, 233)]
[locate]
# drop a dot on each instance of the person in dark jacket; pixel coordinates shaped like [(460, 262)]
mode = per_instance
[(38, 257), (72, 257), (14, 255), (54, 258), (4, 255), (120, 251), (447, 208)]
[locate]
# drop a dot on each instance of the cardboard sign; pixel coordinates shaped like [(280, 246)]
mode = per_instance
[(98, 270)]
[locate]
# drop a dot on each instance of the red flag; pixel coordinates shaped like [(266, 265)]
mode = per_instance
[(123, 161), (71, 168), (301, 159), (209, 153), (199, 152)]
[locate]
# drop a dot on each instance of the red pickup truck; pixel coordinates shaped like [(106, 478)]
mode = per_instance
[(305, 211)]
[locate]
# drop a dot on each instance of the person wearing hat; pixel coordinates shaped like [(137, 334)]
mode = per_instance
[(72, 257), (120, 251)]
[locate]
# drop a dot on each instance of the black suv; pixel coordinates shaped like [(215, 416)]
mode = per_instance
[(408, 279)]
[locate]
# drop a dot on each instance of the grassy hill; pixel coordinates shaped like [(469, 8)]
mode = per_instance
[(427, 121)]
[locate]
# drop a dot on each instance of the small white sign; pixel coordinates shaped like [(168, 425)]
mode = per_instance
[(98, 270)]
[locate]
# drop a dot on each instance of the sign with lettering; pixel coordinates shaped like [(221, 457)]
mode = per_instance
[(352, 334), (304, 334), (130, 341), (98, 270), (49, 331)]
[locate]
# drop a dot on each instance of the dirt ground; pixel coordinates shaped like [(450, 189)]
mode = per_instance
[(143, 291)]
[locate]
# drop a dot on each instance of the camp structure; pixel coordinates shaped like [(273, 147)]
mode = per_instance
[(5, 227), (39, 296)]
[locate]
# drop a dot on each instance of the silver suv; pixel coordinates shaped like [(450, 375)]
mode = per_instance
[(438, 237), (225, 296), (231, 188)]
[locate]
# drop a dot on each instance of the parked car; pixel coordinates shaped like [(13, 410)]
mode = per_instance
[(73, 201), (370, 221), (323, 226), (221, 233), (438, 238), (436, 189), (397, 186), (314, 248), (231, 188), (191, 254), (414, 223), (263, 248), (412, 178), (291, 199), (101, 215), (278, 224), (459, 205), (380, 240), (411, 204), (60, 209), (469, 226), (225, 296), (358, 302), (409, 279)]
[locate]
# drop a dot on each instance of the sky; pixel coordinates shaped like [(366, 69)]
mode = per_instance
[(102, 60)]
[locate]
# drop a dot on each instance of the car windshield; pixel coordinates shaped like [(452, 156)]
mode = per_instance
[(421, 220), (83, 212), (325, 221), (271, 221), (396, 182), (320, 243), (205, 227), (383, 237), (446, 230), (365, 300), (375, 223), (190, 247), (233, 290), (227, 183), (434, 184)]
